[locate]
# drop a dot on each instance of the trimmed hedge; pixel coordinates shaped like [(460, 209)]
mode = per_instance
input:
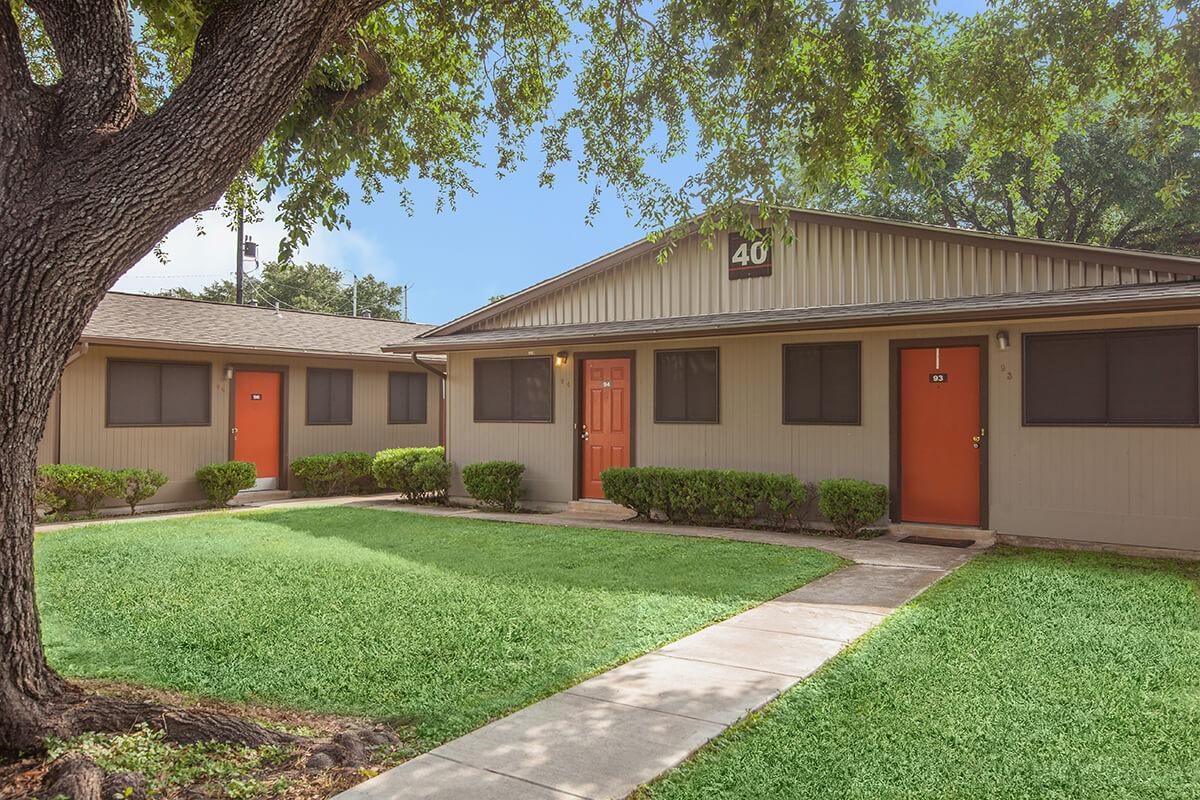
[(327, 474), (64, 487), (851, 504), (717, 496), (222, 481), (495, 484), (416, 473), (137, 485)]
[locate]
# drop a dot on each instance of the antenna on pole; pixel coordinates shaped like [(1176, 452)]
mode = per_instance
[(354, 297), (240, 256)]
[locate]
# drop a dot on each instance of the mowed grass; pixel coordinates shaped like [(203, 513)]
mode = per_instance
[(1024, 675), (442, 623)]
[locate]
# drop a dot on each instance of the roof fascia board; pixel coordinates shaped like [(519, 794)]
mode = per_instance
[(386, 357), (891, 319)]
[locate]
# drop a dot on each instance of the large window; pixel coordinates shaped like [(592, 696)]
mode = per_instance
[(686, 386), (514, 390), (1133, 377), (406, 397), (154, 393), (330, 396), (821, 384)]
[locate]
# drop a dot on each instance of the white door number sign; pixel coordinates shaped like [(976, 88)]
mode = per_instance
[(749, 258)]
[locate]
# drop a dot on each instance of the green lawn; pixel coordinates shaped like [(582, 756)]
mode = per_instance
[(1024, 675), (440, 622)]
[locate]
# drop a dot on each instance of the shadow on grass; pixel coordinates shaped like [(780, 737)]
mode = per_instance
[(584, 558)]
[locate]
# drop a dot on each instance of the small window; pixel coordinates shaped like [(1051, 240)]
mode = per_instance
[(330, 396), (822, 384), (686, 386), (1135, 377), (406, 397), (514, 390), (149, 393)]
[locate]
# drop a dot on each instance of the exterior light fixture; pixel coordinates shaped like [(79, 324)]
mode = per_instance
[(1002, 340), (560, 358), (228, 373)]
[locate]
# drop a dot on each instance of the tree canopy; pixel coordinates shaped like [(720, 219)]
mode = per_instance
[(306, 287), (1104, 192)]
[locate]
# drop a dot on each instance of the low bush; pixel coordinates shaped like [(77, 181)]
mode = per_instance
[(851, 504), (136, 485), (63, 487), (327, 474), (717, 496), (223, 480), (416, 473), (495, 484)]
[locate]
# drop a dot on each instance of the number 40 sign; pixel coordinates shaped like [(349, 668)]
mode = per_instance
[(749, 258)]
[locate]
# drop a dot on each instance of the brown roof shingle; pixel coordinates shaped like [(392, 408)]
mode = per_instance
[(143, 320)]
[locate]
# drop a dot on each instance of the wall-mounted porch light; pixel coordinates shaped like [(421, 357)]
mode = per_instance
[(560, 358), (1002, 340), (228, 373)]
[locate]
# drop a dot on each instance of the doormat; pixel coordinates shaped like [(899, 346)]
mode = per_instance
[(937, 542)]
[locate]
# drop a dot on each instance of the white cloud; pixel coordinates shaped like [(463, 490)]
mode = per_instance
[(195, 261)]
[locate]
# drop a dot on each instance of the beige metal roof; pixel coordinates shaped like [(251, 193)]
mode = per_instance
[(1175, 265), (141, 320), (1030, 305)]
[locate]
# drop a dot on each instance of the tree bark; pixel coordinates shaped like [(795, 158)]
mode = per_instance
[(87, 187)]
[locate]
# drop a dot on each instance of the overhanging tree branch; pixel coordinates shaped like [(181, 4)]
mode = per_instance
[(14, 69), (331, 101)]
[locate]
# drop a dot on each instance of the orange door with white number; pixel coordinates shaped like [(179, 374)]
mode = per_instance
[(256, 423), (941, 435), (605, 436)]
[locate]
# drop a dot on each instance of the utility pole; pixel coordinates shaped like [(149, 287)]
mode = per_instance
[(354, 298), (240, 256)]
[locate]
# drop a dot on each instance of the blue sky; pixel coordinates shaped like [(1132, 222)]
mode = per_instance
[(511, 234)]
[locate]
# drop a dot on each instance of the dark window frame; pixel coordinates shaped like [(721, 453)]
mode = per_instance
[(308, 410), (819, 347), (1026, 340), (108, 423), (476, 366), (716, 420), (424, 407)]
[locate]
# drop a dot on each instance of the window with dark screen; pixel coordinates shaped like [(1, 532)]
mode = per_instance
[(158, 393), (514, 389), (330, 396), (407, 397), (686, 386), (1128, 377), (822, 383)]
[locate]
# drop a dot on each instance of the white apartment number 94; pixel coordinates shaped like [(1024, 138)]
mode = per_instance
[(750, 253)]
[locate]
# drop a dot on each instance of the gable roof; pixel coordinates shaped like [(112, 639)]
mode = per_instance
[(145, 321), (1134, 259)]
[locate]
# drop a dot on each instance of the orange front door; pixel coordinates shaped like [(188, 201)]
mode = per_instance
[(605, 434), (256, 407), (940, 456)]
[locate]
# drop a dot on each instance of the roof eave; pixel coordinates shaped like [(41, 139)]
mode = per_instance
[(384, 356)]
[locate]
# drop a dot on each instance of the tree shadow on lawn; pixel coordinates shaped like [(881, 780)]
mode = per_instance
[(582, 558)]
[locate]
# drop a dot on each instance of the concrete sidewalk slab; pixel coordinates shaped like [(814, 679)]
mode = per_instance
[(701, 690), (428, 777), (822, 622), (766, 651), (590, 748), (862, 587)]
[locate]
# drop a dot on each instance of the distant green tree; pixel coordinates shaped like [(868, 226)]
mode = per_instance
[(307, 287), (1104, 193)]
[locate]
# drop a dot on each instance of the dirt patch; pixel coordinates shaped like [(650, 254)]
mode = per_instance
[(208, 771)]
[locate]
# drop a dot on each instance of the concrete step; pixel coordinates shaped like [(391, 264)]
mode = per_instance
[(981, 537), (600, 509), (254, 496)]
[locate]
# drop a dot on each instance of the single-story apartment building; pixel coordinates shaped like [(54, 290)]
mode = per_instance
[(1043, 390), (176, 384)]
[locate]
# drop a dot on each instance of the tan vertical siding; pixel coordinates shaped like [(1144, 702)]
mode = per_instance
[(1130, 485), (823, 265), (179, 451)]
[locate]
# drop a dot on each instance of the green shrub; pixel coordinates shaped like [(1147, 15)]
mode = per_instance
[(137, 485), (327, 474), (852, 504), (222, 481), (415, 473), (496, 484), (63, 487), (718, 496)]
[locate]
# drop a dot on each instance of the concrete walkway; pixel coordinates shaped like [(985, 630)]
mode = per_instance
[(608, 735)]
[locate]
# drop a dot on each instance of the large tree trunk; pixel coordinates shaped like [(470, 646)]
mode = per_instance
[(87, 187)]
